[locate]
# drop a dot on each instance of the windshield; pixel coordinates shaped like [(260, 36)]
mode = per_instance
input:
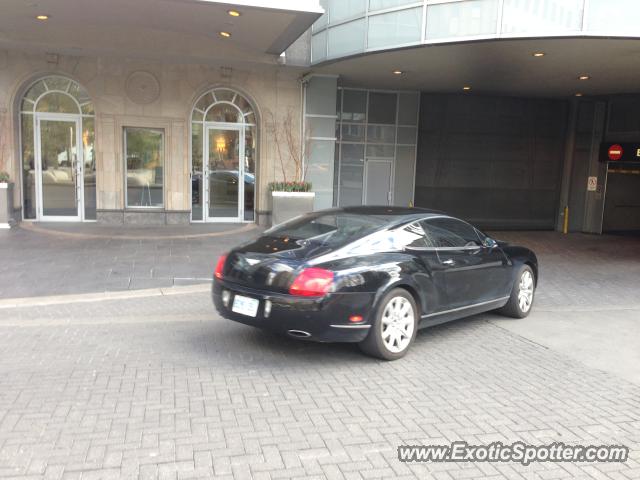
[(331, 230)]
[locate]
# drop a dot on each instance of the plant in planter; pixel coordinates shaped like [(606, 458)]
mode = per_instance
[(291, 196), (6, 187), (289, 187)]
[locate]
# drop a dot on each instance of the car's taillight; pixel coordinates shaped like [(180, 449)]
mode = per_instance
[(220, 266), (312, 282)]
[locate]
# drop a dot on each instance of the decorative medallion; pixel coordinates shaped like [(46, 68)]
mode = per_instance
[(142, 88)]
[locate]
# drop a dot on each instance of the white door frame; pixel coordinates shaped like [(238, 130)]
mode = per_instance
[(60, 117), (365, 177), (208, 126)]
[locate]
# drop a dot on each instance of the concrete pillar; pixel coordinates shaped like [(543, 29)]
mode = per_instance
[(568, 165), (585, 208), (594, 201)]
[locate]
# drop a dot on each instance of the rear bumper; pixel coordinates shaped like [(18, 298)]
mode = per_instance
[(318, 319)]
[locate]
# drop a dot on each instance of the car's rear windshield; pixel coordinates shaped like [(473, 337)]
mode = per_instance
[(331, 230)]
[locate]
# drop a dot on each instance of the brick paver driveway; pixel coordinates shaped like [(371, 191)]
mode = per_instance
[(161, 387)]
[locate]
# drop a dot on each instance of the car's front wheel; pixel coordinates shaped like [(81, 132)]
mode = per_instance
[(394, 327), (522, 295)]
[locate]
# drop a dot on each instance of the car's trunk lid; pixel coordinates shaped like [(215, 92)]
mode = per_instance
[(271, 262)]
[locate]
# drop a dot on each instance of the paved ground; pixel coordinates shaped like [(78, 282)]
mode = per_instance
[(161, 387), (69, 259)]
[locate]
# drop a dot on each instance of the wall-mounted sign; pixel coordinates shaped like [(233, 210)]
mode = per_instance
[(615, 152), (592, 184), (620, 152)]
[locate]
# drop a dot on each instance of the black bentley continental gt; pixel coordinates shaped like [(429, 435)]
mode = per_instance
[(371, 275)]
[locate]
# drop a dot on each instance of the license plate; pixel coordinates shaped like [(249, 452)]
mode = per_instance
[(245, 306)]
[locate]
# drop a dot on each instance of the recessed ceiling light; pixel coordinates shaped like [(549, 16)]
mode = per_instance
[(539, 54), (578, 94), (43, 17), (234, 13), (398, 72), (225, 34), (466, 88), (584, 77)]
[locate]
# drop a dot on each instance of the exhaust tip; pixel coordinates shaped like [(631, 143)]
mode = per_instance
[(299, 333)]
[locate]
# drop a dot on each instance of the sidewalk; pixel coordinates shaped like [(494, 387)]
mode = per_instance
[(63, 259)]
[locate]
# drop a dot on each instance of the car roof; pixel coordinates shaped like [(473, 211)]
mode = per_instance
[(397, 215)]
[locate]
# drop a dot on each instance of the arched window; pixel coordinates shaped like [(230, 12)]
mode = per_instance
[(223, 105), (57, 132), (223, 150)]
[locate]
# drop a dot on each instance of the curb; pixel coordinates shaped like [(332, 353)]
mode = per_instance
[(30, 226), (580, 309), (102, 296)]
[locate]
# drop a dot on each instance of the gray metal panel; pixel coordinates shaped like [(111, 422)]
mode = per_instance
[(622, 208), (378, 182), (403, 176), (320, 122), (321, 95), (496, 161)]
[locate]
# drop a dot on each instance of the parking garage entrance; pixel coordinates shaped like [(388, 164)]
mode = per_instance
[(622, 191)]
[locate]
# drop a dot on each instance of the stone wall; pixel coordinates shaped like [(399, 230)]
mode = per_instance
[(162, 99)]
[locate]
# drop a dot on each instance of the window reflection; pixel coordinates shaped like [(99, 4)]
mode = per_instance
[(224, 172), (58, 151), (197, 193), (249, 173), (216, 188), (89, 168), (145, 167), (28, 167), (56, 157)]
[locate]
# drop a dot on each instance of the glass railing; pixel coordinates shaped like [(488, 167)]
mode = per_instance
[(357, 26)]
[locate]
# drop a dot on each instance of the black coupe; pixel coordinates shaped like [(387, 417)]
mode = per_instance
[(372, 275)]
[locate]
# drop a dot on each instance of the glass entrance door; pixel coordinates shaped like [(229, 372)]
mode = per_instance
[(59, 173), (224, 175)]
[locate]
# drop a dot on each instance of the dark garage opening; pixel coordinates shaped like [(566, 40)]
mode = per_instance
[(622, 200)]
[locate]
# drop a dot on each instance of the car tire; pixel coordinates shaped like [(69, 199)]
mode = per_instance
[(522, 294), (394, 327)]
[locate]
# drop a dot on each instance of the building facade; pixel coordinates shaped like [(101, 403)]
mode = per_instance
[(516, 100), (493, 110), (144, 131)]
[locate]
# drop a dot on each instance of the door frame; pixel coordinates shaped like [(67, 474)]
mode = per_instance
[(79, 167), (239, 128), (365, 177)]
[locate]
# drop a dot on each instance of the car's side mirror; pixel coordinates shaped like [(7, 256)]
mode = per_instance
[(489, 243)]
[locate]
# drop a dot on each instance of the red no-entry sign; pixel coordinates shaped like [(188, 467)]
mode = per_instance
[(615, 152)]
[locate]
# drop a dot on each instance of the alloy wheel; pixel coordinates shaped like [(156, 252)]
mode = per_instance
[(398, 323), (525, 291)]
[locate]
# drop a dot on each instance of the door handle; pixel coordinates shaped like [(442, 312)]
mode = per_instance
[(449, 262)]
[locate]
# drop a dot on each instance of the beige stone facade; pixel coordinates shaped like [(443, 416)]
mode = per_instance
[(161, 97)]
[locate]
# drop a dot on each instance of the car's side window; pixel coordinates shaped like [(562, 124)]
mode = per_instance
[(413, 236), (451, 233), (409, 236)]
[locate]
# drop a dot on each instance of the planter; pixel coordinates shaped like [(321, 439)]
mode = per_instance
[(287, 205), (6, 205)]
